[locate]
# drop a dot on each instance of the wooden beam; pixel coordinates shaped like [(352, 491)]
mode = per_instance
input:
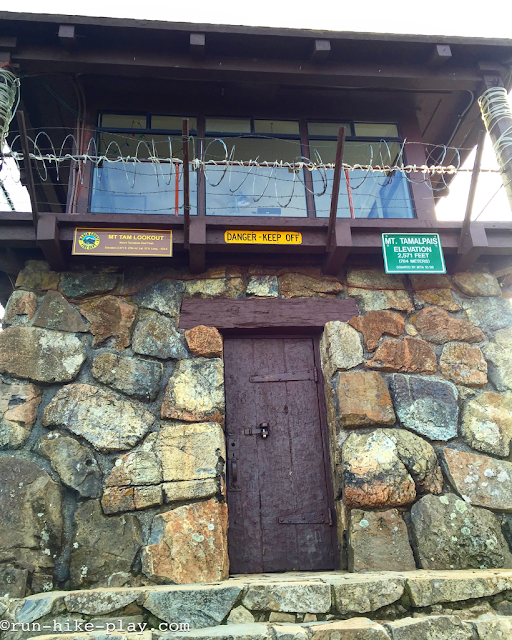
[(197, 244), (254, 313), (186, 184), (48, 239), (197, 45), (340, 248), (10, 262), (472, 191), (338, 162), (161, 64), (440, 55), (27, 164), (8, 43), (321, 50), (475, 246)]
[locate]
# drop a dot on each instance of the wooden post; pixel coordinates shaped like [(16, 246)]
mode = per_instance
[(28, 167), (186, 186), (464, 233), (335, 187)]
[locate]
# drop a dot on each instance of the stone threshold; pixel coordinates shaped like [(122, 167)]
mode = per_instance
[(288, 606)]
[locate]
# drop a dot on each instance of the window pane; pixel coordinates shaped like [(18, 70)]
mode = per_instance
[(172, 123), (228, 125), (254, 191), (376, 130), (119, 121), (328, 128), (141, 188), (274, 127)]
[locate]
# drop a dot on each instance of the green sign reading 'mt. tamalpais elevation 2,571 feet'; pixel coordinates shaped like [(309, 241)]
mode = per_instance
[(413, 253)]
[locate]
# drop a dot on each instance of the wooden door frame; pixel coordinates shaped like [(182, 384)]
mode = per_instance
[(315, 334)]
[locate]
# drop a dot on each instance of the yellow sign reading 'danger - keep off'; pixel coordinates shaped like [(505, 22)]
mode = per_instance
[(142, 243), (263, 237)]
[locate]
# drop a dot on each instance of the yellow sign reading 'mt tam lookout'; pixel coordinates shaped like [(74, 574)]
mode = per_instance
[(263, 237)]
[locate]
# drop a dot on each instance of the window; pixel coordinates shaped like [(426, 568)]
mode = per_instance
[(247, 190), (377, 194), (149, 182)]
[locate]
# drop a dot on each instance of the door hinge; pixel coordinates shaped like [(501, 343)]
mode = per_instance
[(315, 373)]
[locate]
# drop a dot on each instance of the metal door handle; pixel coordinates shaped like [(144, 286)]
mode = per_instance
[(234, 472)]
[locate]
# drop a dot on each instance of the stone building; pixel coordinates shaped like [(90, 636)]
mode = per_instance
[(267, 399)]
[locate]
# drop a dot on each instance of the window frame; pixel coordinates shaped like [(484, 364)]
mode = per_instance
[(303, 137)]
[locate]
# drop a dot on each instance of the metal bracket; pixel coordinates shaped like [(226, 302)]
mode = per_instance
[(254, 431)]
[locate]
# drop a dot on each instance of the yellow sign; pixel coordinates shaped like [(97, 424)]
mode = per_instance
[(145, 243), (263, 237)]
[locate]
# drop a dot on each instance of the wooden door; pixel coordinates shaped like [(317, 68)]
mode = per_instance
[(279, 494)]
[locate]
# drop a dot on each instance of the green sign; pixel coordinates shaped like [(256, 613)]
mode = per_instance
[(413, 253)]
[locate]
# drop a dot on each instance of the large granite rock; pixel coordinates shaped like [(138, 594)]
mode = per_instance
[(365, 593), (378, 541), (433, 290), (499, 354), (437, 326), (119, 499), (405, 356), (480, 480), (218, 282), (265, 286), (141, 466), (56, 313), (31, 525), (191, 452), (387, 468), (311, 284), (425, 405), (189, 544), (363, 399), (102, 546), (374, 324), (177, 464), (376, 290), (352, 629), (78, 285), (195, 391), (477, 283), (37, 276), (464, 364), (194, 606), (340, 348), (487, 423), (156, 335), (436, 297), (74, 463), (204, 342), (490, 314), (188, 490), (108, 421), (20, 308), (133, 376), (494, 628), (13, 583), (430, 628), (18, 410), (111, 318), (448, 533), (289, 597), (40, 355), (164, 296)]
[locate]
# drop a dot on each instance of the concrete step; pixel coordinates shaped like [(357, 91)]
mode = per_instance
[(291, 603)]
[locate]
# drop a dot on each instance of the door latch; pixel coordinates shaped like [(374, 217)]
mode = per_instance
[(262, 429)]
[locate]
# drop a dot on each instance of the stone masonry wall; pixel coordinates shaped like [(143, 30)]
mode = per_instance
[(112, 460)]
